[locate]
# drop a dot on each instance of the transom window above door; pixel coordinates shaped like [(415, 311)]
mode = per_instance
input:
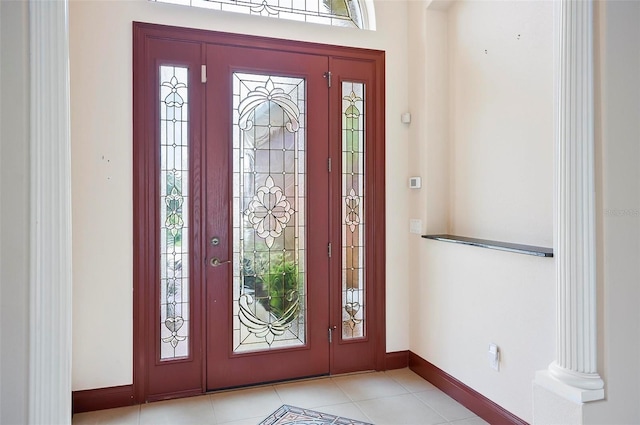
[(341, 13)]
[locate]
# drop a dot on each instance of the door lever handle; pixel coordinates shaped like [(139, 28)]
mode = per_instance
[(215, 262)]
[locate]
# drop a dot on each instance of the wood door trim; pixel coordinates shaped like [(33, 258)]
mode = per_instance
[(144, 210), (141, 178), (257, 42), (379, 215)]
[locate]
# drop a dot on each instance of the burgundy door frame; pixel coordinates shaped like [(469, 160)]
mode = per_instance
[(144, 208)]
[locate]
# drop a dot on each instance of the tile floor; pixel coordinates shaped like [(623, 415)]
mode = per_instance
[(394, 397)]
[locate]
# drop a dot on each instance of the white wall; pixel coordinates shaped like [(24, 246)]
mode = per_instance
[(501, 97), (429, 102), (488, 139), (101, 128), (618, 211), (14, 212)]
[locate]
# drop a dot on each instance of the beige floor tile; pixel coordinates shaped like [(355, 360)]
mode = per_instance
[(368, 385), (404, 409), (445, 405), (184, 411), (86, 418), (345, 410), (312, 393), (121, 416), (410, 380), (243, 404), (383, 398)]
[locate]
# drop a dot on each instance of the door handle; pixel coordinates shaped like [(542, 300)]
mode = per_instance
[(215, 262)]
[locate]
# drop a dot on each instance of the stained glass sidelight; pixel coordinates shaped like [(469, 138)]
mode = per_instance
[(343, 13), (268, 212), (174, 214), (353, 230)]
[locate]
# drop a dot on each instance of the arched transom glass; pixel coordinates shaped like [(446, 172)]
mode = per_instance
[(342, 13)]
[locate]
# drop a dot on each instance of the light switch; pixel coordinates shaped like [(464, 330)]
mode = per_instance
[(415, 226)]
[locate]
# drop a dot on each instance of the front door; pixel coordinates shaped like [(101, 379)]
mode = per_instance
[(258, 211), (267, 216)]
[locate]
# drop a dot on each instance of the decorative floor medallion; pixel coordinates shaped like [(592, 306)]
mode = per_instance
[(290, 415)]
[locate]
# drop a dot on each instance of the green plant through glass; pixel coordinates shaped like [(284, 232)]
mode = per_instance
[(276, 285)]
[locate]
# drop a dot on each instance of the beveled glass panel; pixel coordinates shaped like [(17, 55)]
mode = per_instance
[(269, 200), (174, 213), (342, 13), (353, 225)]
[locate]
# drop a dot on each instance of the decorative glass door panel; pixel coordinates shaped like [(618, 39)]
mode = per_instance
[(353, 203), (268, 212), (174, 214)]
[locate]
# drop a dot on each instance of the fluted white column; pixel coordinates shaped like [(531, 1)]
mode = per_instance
[(574, 372), (50, 280)]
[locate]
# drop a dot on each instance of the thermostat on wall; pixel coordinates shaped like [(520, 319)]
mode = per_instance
[(415, 182)]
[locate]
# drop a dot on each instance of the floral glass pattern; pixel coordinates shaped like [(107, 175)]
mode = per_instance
[(268, 212), (174, 213), (342, 13), (353, 230)]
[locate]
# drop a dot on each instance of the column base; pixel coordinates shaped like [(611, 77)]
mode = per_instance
[(579, 387)]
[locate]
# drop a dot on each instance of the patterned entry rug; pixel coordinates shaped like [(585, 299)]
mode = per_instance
[(290, 415)]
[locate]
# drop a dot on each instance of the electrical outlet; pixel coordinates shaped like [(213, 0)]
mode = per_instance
[(494, 357), (415, 182)]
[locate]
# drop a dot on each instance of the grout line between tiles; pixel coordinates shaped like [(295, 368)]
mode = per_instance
[(320, 409), (213, 409)]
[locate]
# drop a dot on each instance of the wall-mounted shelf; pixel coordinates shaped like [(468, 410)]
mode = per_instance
[(501, 246)]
